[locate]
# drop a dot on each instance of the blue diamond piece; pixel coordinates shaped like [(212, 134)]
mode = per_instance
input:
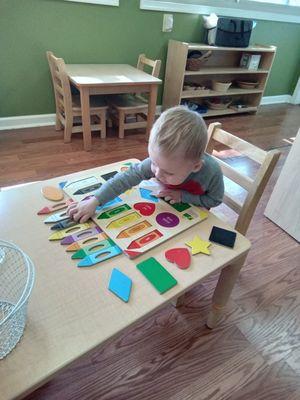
[(146, 194), (120, 284)]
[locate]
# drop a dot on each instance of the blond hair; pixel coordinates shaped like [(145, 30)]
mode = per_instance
[(179, 128)]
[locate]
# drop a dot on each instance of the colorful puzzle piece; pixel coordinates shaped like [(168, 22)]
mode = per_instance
[(146, 209), (87, 189), (66, 223), (156, 274), (132, 253), (199, 246), (120, 284), (146, 194), (109, 204), (144, 240), (55, 207), (66, 232), (56, 217), (167, 219), (123, 221), (100, 256), (79, 244), (93, 248), (180, 206), (62, 184), (223, 236), (180, 256), (81, 235), (114, 211), (133, 230), (52, 193)]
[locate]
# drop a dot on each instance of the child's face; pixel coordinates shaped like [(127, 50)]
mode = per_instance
[(171, 169)]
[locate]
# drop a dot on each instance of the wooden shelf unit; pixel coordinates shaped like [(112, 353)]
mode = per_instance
[(223, 65)]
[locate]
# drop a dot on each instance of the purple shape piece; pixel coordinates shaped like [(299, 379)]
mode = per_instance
[(166, 219), (81, 235)]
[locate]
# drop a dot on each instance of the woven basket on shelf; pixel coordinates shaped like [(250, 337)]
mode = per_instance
[(194, 63)]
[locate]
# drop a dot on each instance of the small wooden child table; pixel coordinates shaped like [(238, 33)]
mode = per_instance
[(70, 310)]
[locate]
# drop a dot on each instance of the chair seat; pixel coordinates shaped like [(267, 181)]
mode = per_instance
[(127, 101), (97, 103)]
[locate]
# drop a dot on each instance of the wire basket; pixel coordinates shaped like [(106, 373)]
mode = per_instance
[(16, 281)]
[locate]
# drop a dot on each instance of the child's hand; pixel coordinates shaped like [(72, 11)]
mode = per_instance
[(83, 210), (174, 196)]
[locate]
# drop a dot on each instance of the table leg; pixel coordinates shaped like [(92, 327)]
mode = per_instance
[(151, 109), (86, 119), (223, 290)]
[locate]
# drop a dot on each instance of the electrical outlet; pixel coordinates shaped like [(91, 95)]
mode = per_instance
[(167, 23)]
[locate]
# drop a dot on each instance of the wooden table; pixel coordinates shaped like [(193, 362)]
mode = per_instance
[(110, 79), (71, 311)]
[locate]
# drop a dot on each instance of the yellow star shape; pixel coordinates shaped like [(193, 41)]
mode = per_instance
[(199, 246)]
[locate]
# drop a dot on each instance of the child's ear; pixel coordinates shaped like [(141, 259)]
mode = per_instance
[(197, 166)]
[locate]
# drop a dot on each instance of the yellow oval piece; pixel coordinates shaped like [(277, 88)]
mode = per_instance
[(52, 193)]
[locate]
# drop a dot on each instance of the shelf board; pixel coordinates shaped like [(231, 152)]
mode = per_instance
[(213, 93), (255, 48), (227, 111), (226, 70)]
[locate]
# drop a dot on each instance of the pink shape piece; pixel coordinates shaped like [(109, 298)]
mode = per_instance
[(180, 256), (146, 209)]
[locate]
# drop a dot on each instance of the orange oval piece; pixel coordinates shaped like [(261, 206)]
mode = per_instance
[(52, 193)]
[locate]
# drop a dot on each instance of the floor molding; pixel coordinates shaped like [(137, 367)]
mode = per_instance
[(284, 98), (27, 121), (31, 121)]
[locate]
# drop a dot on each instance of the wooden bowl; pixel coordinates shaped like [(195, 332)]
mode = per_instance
[(217, 106), (247, 84)]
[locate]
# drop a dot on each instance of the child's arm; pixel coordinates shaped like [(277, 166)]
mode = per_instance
[(117, 185), (124, 181), (213, 196)]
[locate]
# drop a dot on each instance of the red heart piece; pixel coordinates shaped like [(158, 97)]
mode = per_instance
[(180, 256), (145, 208)]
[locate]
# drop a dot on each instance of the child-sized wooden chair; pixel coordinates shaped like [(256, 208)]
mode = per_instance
[(266, 161), (254, 187), (68, 107), (133, 107)]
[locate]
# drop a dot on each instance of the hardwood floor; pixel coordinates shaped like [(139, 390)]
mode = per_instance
[(254, 354)]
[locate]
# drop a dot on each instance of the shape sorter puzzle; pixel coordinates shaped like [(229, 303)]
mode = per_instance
[(136, 220)]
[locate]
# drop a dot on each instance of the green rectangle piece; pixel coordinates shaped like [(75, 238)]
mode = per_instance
[(156, 274)]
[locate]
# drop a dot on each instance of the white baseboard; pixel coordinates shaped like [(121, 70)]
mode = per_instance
[(31, 121), (284, 98), (27, 121)]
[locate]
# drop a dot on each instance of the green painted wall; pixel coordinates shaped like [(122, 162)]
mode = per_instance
[(87, 33)]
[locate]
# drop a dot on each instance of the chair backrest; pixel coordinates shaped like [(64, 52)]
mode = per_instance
[(255, 187), (61, 84), (154, 64)]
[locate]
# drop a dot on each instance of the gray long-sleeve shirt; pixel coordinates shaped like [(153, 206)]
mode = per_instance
[(204, 188)]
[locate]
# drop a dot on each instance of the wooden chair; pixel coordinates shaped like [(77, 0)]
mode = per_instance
[(133, 106), (68, 107), (254, 187)]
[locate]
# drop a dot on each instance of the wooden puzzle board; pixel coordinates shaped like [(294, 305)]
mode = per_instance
[(136, 221)]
